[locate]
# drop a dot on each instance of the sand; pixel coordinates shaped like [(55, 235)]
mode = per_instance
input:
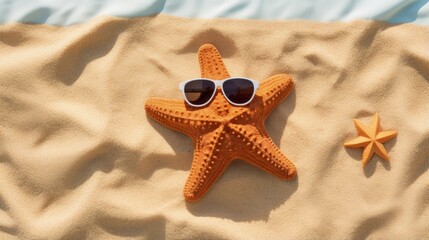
[(80, 159)]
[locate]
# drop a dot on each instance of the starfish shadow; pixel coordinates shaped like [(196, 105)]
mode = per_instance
[(180, 143), (369, 169), (244, 193), (276, 122), (225, 44)]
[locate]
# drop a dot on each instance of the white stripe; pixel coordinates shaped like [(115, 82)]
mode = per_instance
[(66, 13)]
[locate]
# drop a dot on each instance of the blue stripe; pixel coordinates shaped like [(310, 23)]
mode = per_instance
[(66, 13)]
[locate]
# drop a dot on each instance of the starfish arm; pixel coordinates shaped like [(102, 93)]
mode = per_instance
[(361, 129), (259, 150), (358, 142), (208, 165), (274, 90), (381, 151), (211, 63), (385, 136), (367, 153), (375, 126), (175, 115)]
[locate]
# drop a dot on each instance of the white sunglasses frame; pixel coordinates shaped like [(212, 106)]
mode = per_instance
[(219, 83)]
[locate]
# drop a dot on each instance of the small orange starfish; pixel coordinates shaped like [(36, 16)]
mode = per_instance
[(222, 132), (371, 139)]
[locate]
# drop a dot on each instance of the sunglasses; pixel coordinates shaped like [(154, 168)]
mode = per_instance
[(200, 91)]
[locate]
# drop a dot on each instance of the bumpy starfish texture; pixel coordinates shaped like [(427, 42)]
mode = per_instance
[(371, 139), (222, 132)]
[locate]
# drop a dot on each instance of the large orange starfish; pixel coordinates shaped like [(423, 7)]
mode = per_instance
[(222, 132), (371, 139)]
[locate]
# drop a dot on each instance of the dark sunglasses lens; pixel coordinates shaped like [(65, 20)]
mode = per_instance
[(238, 90), (199, 92)]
